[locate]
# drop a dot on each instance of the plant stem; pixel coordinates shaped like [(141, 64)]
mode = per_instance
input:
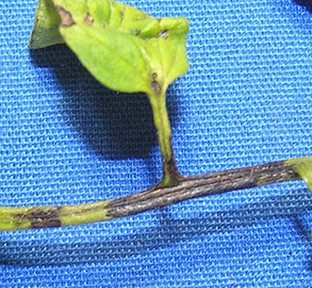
[(171, 175), (186, 188)]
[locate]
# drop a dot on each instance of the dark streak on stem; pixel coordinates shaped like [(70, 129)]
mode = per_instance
[(186, 188), (200, 186), (171, 167), (171, 176), (42, 218)]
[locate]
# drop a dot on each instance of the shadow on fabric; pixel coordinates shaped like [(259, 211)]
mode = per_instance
[(114, 125), (305, 232), (306, 3), (168, 233)]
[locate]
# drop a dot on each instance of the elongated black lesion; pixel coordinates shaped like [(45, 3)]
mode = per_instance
[(171, 175), (171, 167), (41, 217), (201, 186), (186, 188)]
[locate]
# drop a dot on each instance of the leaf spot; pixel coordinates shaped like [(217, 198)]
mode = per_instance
[(88, 20), (66, 17), (136, 32), (155, 85), (122, 15), (164, 34)]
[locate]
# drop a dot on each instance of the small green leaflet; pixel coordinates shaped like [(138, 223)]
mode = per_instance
[(122, 47)]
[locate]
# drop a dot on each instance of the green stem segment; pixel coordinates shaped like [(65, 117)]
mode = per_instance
[(171, 175), (160, 196), (52, 216)]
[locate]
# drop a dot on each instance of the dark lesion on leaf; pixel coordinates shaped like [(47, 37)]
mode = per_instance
[(136, 32), (155, 84), (66, 17), (41, 218), (88, 19), (122, 14), (164, 34)]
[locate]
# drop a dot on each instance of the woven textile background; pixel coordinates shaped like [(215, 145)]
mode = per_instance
[(65, 139)]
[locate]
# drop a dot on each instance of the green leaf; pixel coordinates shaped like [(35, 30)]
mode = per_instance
[(123, 48), (46, 31)]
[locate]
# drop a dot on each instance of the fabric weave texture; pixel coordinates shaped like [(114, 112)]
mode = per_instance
[(65, 139)]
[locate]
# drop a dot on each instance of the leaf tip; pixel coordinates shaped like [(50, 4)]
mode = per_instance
[(45, 31)]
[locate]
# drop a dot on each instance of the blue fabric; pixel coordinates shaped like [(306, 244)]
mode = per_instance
[(65, 139)]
